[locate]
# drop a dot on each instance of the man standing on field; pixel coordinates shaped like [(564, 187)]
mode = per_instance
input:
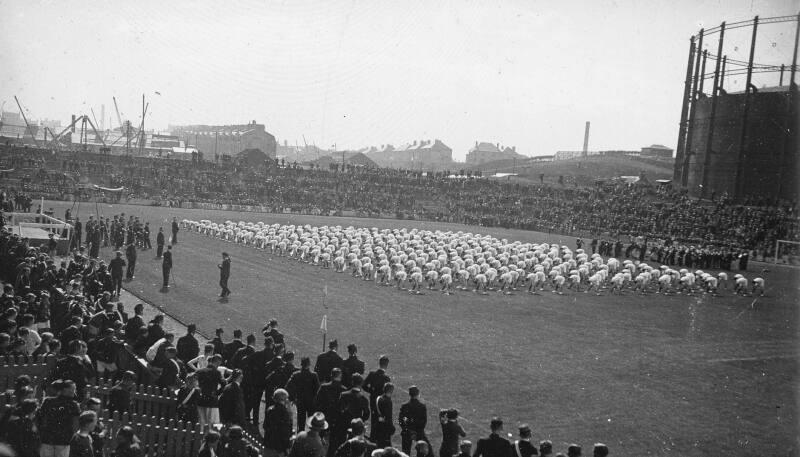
[(224, 274)]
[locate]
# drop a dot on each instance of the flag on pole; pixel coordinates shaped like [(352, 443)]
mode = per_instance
[(324, 325)]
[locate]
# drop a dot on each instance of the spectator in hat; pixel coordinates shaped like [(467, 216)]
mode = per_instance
[(188, 347), (412, 419), (231, 401), (327, 361), (353, 404), (351, 365), (309, 443), (495, 445), (545, 448), (278, 425), (452, 431), (523, 446), (356, 446), (574, 451)]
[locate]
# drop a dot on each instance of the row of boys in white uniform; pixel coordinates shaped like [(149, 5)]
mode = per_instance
[(458, 260)]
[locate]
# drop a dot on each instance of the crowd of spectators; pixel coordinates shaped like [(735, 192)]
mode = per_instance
[(614, 211)]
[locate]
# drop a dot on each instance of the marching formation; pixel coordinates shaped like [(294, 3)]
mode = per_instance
[(415, 259)]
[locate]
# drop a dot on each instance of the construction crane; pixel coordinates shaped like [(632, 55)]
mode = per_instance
[(119, 118), (28, 128)]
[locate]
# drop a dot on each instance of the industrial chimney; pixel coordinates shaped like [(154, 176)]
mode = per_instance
[(586, 140)]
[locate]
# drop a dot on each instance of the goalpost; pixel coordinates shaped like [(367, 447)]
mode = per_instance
[(787, 252)]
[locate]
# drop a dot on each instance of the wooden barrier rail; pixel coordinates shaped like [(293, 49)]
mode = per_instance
[(158, 436), (36, 369), (145, 400)]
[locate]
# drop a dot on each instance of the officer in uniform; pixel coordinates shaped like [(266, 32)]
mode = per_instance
[(166, 266), (224, 274), (413, 418)]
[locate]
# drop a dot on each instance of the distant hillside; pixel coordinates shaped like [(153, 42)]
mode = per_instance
[(584, 171)]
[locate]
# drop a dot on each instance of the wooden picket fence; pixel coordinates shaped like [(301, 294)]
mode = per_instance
[(37, 370), (145, 400), (158, 436)]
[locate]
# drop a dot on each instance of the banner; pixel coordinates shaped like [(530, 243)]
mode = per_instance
[(108, 189), (324, 325)]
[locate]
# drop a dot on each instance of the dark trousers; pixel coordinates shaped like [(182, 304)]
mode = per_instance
[(131, 268), (409, 437), (159, 250), (116, 284), (165, 273), (302, 414), (174, 237), (223, 283), (147, 244), (252, 401)]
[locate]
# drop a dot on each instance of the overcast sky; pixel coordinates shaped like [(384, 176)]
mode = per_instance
[(361, 73)]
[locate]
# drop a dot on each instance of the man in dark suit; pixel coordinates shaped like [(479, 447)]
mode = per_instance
[(224, 274), (237, 361), (116, 266), (255, 374), (523, 446), (373, 385), (160, 242), (494, 445), (130, 254), (230, 348), (135, 323), (174, 230), (327, 361), (166, 267), (353, 404), (384, 426), (351, 365), (231, 401), (412, 419), (302, 388), (188, 347), (327, 398)]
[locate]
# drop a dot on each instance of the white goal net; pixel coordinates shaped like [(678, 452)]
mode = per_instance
[(787, 252)]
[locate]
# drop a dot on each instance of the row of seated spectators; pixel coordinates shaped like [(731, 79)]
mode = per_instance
[(324, 411), (612, 210)]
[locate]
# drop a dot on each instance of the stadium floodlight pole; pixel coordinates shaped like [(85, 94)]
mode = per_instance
[(789, 126)]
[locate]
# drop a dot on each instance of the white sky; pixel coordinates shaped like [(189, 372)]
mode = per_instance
[(361, 73)]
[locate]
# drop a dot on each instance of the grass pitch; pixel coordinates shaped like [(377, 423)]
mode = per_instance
[(648, 375)]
